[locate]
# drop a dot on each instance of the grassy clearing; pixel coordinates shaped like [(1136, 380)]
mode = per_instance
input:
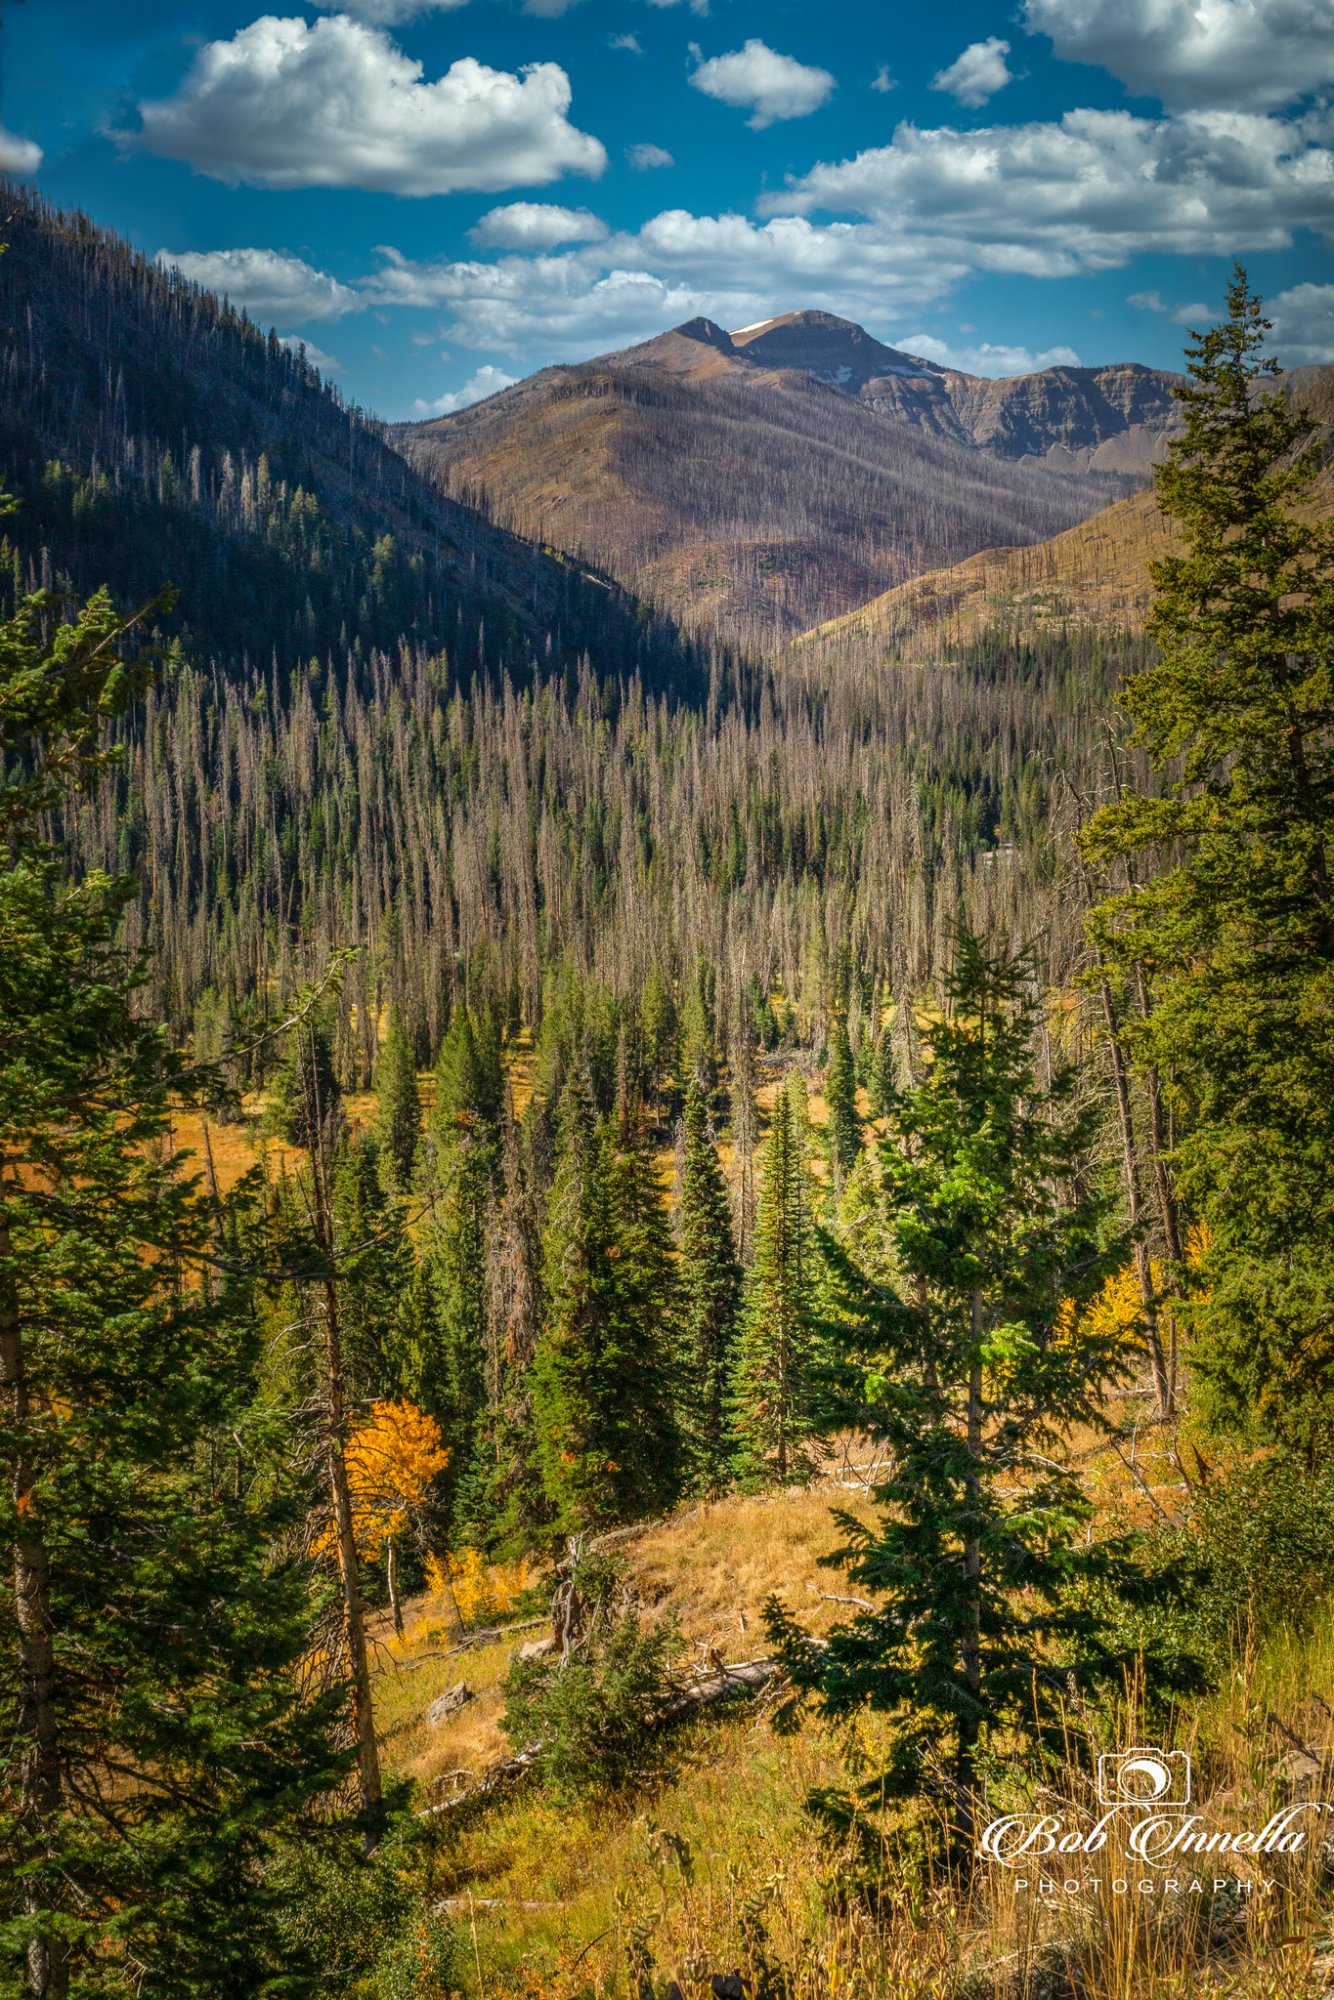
[(718, 1866)]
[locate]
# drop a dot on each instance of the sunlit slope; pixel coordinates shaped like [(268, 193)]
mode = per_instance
[(748, 493)]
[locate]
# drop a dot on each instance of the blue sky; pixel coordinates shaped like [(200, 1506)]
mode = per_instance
[(439, 198)]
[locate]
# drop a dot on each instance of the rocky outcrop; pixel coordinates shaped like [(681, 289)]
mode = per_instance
[(1081, 413)]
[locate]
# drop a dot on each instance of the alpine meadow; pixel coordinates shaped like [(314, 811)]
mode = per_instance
[(666, 1001)]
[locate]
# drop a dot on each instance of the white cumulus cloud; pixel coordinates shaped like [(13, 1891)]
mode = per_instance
[(678, 265), (18, 156), (977, 74), (1303, 324), (536, 225), (267, 283), (1249, 54), (1087, 193), (487, 381), (646, 156), (986, 358), (337, 104), (769, 85), (1192, 315)]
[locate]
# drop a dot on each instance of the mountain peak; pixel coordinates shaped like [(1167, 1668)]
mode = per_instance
[(698, 346), (834, 350), (708, 331)]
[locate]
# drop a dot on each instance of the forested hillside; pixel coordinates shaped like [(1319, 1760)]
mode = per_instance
[(398, 728), (154, 436), (756, 496)]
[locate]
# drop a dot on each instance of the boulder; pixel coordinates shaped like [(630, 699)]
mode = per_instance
[(448, 1704)]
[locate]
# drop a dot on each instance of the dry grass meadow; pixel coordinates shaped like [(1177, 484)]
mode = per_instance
[(718, 1866)]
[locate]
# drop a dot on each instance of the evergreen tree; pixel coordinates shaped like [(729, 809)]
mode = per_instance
[(306, 1104), (1237, 925), (697, 1051), (843, 1135), (600, 1383), (963, 1366), (517, 1511), (448, 1375), (774, 1407), (376, 1268), (398, 1111), (153, 1736), (469, 1085), (661, 1038), (710, 1296), (648, 1305), (881, 1080)]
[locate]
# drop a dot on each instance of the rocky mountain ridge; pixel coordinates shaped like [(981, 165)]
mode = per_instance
[(1114, 418), (760, 482)]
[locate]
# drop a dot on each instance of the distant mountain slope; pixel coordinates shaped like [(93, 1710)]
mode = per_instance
[(1113, 419), (152, 434), (763, 481), (1096, 572)]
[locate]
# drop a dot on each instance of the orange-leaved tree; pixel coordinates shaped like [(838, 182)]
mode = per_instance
[(391, 1460)]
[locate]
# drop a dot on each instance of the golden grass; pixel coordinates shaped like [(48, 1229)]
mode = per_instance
[(720, 1860)]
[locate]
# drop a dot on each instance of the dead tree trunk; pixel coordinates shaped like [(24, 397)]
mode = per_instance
[(1162, 1385), (340, 1495)]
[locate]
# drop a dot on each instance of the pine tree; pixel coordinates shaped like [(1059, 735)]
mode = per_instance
[(601, 1381), (774, 1405), (881, 1081), (710, 1294), (661, 1038), (376, 1264), (1237, 923), (648, 1306), (843, 1135), (448, 1377), (153, 1736), (468, 1080), (306, 1104), (517, 1511), (398, 1112), (964, 1368)]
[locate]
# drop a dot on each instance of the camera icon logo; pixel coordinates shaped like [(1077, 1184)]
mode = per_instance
[(1145, 1777)]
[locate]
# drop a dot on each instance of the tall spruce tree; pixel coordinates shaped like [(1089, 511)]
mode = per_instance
[(153, 1736), (962, 1365), (843, 1134), (648, 1304), (398, 1110), (774, 1389), (376, 1263), (1236, 923), (306, 1103), (517, 1509), (460, 1173), (710, 1280), (601, 1377)]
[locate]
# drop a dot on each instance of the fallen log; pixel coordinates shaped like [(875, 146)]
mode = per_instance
[(743, 1677), (723, 1683)]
